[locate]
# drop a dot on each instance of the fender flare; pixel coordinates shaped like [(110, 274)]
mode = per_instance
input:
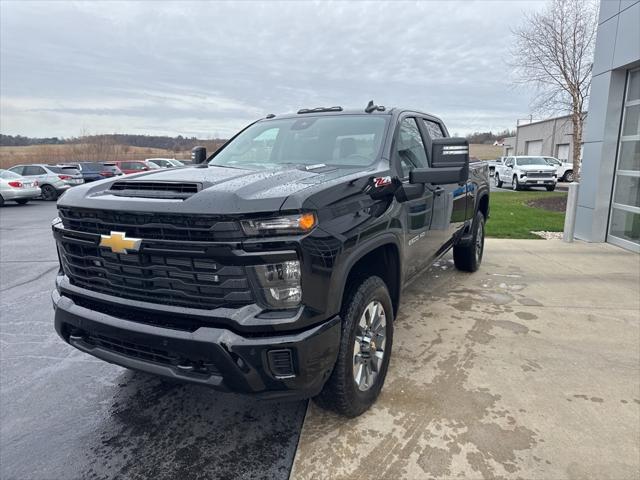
[(340, 275)]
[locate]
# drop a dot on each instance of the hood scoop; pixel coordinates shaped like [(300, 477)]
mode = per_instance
[(147, 189)]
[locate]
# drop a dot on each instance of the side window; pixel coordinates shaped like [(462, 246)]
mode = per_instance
[(31, 170), (433, 128), (17, 170), (409, 148)]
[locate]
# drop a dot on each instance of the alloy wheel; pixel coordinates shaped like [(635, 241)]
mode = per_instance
[(369, 345)]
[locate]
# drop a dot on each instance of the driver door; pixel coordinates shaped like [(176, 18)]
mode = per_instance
[(409, 152)]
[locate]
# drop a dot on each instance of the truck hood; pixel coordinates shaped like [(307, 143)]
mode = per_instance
[(223, 190)]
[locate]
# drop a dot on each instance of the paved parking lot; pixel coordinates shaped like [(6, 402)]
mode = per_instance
[(66, 415), (528, 368)]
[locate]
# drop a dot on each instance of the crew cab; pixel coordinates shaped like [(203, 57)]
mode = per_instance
[(526, 171), (275, 266), (564, 169)]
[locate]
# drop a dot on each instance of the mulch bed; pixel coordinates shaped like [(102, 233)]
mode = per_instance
[(553, 204)]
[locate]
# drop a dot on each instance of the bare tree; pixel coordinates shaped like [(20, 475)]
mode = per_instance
[(554, 52)]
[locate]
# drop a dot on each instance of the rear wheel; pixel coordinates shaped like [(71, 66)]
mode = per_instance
[(468, 257), (365, 348), (49, 193), (569, 176), (498, 181), (22, 201)]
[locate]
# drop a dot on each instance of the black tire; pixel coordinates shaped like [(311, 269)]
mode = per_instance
[(468, 257), (568, 176), (341, 392), (550, 188), (498, 181), (22, 201), (49, 193), (515, 185), (1, 201)]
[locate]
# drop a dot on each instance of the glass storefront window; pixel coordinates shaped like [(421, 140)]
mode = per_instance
[(624, 219), (625, 225)]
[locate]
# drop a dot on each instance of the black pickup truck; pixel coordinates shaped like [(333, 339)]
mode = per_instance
[(274, 267)]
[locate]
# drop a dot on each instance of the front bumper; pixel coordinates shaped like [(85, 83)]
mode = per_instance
[(210, 356), (21, 193), (537, 181)]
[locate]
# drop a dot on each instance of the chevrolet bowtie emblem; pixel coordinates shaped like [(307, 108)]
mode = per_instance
[(118, 243)]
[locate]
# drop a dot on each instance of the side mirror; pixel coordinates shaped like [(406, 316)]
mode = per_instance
[(198, 155), (449, 163)]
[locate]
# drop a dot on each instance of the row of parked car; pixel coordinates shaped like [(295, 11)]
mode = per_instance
[(22, 183), (522, 171)]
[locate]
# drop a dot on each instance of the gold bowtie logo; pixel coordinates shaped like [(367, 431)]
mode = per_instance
[(118, 243)]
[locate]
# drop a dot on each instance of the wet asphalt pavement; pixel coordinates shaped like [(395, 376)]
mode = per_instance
[(66, 415)]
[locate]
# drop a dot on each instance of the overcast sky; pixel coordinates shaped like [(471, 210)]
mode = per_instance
[(207, 69)]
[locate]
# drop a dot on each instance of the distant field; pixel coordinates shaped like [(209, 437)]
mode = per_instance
[(10, 156), (485, 152)]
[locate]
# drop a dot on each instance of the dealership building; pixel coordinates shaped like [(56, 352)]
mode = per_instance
[(609, 198), (550, 138)]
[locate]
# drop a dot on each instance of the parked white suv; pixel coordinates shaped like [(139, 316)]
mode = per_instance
[(564, 169), (526, 171)]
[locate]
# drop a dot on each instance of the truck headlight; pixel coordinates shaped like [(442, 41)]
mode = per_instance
[(280, 283), (298, 223)]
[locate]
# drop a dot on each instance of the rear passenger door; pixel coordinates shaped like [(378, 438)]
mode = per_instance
[(35, 173)]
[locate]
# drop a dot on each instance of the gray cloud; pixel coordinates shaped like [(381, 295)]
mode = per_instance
[(199, 68)]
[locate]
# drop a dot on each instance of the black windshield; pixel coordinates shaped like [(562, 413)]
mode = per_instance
[(340, 140)]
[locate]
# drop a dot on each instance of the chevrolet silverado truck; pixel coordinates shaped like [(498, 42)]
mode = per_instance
[(275, 266), (526, 171)]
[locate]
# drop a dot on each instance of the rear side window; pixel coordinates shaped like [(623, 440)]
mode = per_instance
[(17, 170), (33, 170), (409, 147), (92, 167), (433, 128), (133, 165)]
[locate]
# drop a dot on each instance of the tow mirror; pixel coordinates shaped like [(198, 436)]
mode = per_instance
[(198, 155), (449, 163)]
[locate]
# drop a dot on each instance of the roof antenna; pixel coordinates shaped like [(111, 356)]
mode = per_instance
[(372, 107)]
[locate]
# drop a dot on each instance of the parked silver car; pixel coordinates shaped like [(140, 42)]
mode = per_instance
[(166, 162), (18, 189), (53, 180)]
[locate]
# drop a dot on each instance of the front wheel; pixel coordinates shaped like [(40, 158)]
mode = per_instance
[(515, 184), (468, 257), (365, 349)]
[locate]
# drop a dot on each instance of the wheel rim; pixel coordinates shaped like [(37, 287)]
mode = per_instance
[(369, 346), (515, 183), (569, 177), (48, 192), (479, 241)]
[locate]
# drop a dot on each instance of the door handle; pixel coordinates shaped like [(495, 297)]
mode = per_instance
[(438, 191)]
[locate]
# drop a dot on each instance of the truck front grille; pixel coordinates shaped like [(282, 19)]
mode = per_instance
[(157, 226), (539, 174), (180, 280)]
